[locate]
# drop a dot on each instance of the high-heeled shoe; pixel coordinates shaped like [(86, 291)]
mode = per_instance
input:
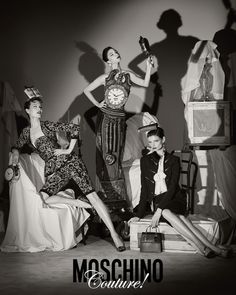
[(122, 247), (208, 253), (225, 252)]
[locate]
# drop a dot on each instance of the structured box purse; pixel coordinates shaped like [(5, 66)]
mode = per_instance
[(151, 242)]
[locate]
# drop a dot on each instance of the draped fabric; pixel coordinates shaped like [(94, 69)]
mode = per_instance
[(32, 228), (224, 167), (204, 78), (9, 105), (191, 81)]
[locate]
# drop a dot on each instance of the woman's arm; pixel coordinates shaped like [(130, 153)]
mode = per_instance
[(21, 141), (144, 192), (70, 128), (173, 184), (92, 86), (67, 151), (139, 81)]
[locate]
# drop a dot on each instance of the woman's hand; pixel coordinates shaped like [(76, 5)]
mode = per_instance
[(133, 219), (102, 104), (15, 157), (82, 204), (152, 62), (58, 152), (156, 217), (149, 62)]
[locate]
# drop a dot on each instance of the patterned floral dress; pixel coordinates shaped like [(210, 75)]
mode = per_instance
[(58, 169)]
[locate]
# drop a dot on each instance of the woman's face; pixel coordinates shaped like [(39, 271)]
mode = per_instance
[(155, 143), (113, 56), (35, 109)]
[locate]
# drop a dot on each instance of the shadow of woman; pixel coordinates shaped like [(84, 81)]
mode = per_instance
[(90, 67), (172, 53), (226, 45)]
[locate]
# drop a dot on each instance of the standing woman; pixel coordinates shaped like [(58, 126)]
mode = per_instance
[(160, 172), (110, 134)]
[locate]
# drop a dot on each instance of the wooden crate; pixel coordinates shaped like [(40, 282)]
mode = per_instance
[(172, 240)]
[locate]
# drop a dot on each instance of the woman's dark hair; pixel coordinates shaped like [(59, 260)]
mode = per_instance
[(105, 52), (156, 132), (33, 99)]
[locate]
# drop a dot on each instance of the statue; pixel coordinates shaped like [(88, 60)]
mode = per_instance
[(204, 80)]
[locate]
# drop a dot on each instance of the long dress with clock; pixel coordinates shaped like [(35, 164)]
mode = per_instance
[(110, 138)]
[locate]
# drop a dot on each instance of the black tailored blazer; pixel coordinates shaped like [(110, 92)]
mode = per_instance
[(149, 167)]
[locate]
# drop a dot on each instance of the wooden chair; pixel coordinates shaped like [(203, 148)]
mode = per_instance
[(188, 176)]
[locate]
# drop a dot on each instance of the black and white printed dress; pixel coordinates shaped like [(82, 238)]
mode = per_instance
[(58, 169)]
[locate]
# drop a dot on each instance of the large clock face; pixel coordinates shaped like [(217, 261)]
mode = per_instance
[(115, 96)]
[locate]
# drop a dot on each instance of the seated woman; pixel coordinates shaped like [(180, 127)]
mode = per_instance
[(160, 172), (61, 165)]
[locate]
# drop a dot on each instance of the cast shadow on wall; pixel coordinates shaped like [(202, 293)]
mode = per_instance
[(225, 39), (226, 45), (163, 97), (90, 66), (172, 53)]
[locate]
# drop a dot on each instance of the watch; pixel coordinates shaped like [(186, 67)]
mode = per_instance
[(9, 173), (12, 173), (115, 96)]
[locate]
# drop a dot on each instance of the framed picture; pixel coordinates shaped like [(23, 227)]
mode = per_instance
[(208, 123)]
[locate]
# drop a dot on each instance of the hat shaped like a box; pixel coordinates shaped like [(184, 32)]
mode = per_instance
[(32, 92)]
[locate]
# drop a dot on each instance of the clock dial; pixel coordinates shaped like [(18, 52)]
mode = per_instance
[(9, 174), (115, 96)]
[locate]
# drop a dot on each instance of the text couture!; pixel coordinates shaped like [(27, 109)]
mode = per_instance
[(116, 273)]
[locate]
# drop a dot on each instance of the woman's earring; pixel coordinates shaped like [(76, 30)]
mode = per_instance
[(164, 147)]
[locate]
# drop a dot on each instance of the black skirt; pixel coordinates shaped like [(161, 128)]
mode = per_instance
[(178, 204)]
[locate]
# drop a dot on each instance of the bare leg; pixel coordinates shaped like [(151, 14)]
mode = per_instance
[(102, 211), (181, 227), (199, 234), (63, 200)]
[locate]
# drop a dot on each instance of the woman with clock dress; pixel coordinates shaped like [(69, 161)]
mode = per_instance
[(110, 133)]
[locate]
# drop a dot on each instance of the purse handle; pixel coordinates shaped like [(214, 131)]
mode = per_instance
[(156, 227)]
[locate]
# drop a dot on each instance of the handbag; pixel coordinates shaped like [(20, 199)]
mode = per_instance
[(151, 242)]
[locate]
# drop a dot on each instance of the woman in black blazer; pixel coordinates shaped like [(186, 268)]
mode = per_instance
[(160, 172)]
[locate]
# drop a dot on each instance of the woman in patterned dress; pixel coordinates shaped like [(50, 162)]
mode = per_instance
[(61, 165), (110, 133)]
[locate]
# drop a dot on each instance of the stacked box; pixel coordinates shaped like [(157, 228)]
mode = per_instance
[(172, 240)]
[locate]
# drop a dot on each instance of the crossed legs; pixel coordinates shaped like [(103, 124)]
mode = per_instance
[(187, 229)]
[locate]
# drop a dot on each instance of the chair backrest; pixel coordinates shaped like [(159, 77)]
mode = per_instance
[(187, 176)]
